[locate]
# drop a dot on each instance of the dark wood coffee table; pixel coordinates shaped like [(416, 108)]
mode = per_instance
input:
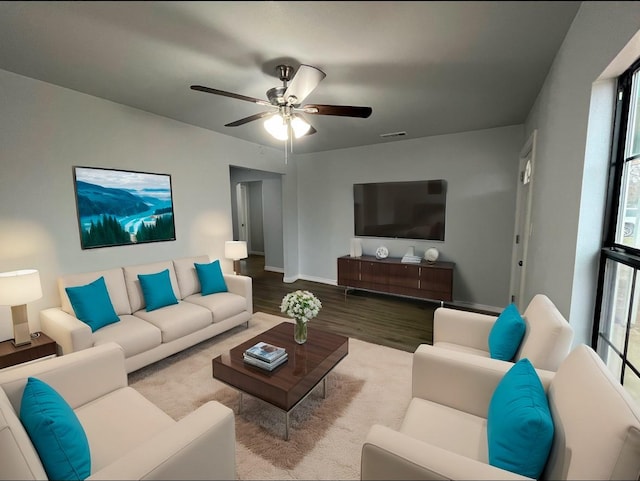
[(289, 384)]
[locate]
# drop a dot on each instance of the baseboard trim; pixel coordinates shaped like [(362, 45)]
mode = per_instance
[(321, 280), (274, 269)]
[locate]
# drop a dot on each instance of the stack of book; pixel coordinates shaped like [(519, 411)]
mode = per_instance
[(266, 356)]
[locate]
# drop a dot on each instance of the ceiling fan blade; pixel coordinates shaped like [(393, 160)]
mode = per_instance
[(246, 120), (340, 110), (303, 83), (229, 94)]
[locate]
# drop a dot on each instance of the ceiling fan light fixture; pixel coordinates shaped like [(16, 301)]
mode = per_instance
[(277, 127), (300, 126)]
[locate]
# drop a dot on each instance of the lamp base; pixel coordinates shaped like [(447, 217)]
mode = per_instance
[(21, 334), (236, 266)]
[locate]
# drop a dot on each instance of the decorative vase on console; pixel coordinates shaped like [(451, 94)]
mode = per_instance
[(301, 306)]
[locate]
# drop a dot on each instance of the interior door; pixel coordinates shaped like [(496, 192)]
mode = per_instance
[(242, 198), (523, 227)]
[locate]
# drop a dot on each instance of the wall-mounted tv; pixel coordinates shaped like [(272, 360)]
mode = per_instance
[(406, 210)]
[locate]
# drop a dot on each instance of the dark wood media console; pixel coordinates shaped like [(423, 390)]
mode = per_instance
[(391, 276)]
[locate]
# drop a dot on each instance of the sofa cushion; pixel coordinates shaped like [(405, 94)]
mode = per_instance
[(222, 305), (178, 320), (18, 457), (506, 334), (114, 279), (447, 428), (186, 274), (548, 337), (519, 424), (55, 432), (92, 305), (133, 334), (598, 422), (118, 422), (211, 278), (136, 298), (157, 290)]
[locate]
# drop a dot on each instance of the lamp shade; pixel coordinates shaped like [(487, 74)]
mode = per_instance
[(19, 287), (235, 250), (277, 127), (300, 126)]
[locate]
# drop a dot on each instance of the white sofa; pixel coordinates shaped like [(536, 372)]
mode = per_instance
[(546, 342), (147, 337), (444, 431), (129, 437)]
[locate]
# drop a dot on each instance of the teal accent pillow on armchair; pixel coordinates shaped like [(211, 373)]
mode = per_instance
[(92, 304), (506, 334), (211, 278), (519, 424), (55, 431), (157, 290)]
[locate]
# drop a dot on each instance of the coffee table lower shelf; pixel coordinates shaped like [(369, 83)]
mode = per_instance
[(289, 384)]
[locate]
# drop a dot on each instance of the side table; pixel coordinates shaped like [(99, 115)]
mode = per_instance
[(41, 346)]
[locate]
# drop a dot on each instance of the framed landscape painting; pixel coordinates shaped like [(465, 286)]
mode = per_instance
[(120, 207)]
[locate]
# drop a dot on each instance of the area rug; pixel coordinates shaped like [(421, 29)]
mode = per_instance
[(372, 385)]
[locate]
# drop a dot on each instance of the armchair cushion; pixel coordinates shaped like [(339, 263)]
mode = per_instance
[(55, 431), (157, 290), (519, 424), (506, 334), (92, 304), (211, 279)]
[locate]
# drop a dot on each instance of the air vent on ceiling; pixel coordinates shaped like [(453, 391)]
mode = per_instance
[(393, 134)]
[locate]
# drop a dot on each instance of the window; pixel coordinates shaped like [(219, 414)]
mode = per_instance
[(616, 333)]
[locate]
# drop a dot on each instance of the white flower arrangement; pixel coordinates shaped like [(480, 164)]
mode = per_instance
[(300, 305)]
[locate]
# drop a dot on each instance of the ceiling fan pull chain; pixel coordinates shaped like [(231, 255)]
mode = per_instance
[(285, 152)]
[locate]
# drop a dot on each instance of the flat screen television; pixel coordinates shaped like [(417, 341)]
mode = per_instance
[(406, 210)]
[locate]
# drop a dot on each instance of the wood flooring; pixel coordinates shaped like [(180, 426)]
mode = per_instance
[(391, 321)]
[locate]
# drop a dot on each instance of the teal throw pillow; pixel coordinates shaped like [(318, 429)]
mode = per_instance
[(211, 278), (506, 334), (519, 424), (55, 432), (92, 304), (157, 290)]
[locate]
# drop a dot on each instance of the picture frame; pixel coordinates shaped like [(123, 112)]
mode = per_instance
[(122, 207)]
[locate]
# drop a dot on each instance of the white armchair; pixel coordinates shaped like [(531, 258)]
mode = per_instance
[(547, 339), (129, 437), (444, 432)]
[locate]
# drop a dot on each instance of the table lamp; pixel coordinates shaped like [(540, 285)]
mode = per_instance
[(16, 289), (235, 250)]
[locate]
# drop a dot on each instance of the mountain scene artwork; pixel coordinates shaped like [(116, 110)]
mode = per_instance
[(117, 207)]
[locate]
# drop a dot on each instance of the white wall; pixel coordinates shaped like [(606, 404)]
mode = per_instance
[(45, 130), (573, 118), (480, 168)]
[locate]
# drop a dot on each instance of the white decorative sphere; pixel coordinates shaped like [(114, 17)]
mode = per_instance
[(431, 254)]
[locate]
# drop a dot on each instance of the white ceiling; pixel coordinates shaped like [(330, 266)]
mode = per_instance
[(426, 68)]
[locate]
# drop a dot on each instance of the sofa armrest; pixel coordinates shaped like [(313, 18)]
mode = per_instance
[(465, 328), (389, 454), (69, 332), (79, 377), (199, 446), (470, 380), (241, 285)]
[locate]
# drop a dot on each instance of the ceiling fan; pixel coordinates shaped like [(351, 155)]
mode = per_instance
[(285, 103)]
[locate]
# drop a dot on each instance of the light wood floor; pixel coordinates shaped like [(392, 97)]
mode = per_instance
[(391, 321)]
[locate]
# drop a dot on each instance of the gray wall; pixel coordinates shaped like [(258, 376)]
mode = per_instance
[(45, 130), (573, 115), (270, 186), (481, 171)]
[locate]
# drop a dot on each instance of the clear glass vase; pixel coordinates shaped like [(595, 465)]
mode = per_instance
[(300, 330)]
